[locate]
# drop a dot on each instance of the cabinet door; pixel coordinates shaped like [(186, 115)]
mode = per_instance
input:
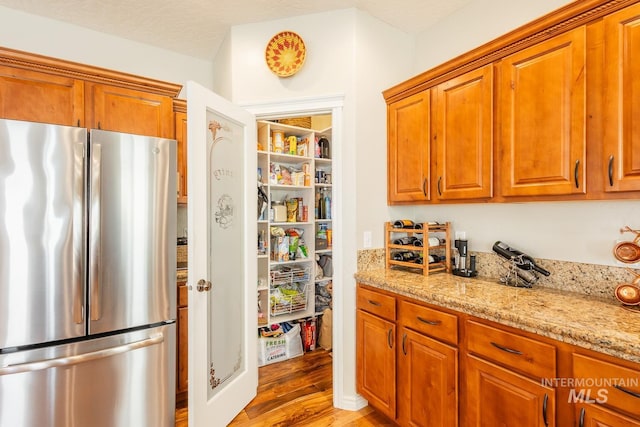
[(181, 138), (496, 396), (376, 362), (543, 118), (408, 152), (182, 342), (464, 134), (130, 111), (427, 381), (621, 107), (591, 415), (40, 97)]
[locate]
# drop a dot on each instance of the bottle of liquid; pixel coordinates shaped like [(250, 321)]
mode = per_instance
[(407, 240), (327, 205), (404, 256), (407, 223)]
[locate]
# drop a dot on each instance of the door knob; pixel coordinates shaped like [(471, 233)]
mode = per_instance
[(203, 285)]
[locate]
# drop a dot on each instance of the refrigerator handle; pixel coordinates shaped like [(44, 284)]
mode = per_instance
[(80, 358), (94, 233), (78, 231)]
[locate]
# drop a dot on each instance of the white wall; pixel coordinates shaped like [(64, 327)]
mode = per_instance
[(474, 25), (31, 33), (570, 231)]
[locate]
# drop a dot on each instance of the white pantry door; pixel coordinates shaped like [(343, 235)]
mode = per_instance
[(223, 371)]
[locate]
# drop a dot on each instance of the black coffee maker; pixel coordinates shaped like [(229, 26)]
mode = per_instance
[(461, 266)]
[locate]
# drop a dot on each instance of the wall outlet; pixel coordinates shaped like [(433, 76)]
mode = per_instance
[(461, 235), (366, 241)]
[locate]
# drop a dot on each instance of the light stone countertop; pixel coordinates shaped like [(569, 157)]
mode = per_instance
[(573, 318)]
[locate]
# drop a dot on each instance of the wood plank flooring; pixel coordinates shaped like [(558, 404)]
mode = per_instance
[(298, 392)]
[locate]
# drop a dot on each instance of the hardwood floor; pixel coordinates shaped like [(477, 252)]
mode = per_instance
[(298, 392)]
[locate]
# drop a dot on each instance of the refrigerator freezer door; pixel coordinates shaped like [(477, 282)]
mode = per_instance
[(132, 231), (117, 381), (41, 233)]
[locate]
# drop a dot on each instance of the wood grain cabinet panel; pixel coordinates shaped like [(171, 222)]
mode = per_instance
[(376, 361), (180, 107), (592, 415), (408, 149), (543, 118), (131, 111), (621, 93), (182, 343), (497, 396), (463, 111), (40, 97), (427, 381)]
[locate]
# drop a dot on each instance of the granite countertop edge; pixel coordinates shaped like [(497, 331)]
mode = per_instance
[(573, 318)]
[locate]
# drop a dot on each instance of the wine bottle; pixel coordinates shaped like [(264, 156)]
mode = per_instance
[(407, 240), (404, 223), (520, 259), (404, 256)]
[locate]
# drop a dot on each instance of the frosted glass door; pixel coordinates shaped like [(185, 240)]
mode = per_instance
[(222, 272)]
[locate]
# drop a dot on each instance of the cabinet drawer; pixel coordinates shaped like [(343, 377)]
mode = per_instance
[(613, 385), (434, 323), (183, 298), (528, 356), (376, 303)]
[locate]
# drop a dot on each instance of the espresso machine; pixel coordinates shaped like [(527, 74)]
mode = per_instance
[(465, 265)]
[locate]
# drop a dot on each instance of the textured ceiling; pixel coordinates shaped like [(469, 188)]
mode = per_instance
[(197, 27)]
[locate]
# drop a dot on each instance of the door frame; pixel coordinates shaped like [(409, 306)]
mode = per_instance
[(343, 397)]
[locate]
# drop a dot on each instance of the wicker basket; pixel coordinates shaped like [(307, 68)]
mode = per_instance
[(302, 122)]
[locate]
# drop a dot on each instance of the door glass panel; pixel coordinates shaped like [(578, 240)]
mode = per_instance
[(226, 240)]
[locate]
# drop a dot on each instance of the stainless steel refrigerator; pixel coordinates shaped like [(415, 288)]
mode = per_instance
[(87, 277)]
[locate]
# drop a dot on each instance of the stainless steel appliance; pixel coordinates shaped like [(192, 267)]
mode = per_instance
[(87, 277)]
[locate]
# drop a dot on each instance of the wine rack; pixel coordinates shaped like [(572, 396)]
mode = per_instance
[(441, 250)]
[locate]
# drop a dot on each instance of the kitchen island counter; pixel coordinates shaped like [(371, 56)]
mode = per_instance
[(597, 324)]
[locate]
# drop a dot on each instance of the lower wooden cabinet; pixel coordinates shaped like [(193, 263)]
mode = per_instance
[(497, 396), (591, 415), (376, 361), (182, 344), (423, 366), (427, 381)]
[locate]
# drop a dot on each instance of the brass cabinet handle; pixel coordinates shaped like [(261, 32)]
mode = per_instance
[(544, 409), (390, 338), (424, 187), (404, 339), (439, 187), (507, 349), (575, 173), (372, 302), (611, 170), (429, 322)]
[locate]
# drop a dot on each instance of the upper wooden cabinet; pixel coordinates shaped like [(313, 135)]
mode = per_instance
[(180, 108), (408, 149), (127, 110), (543, 118), (43, 89), (621, 91), (561, 98), (463, 138), (41, 97)]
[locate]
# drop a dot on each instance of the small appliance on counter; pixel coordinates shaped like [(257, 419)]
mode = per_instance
[(461, 265)]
